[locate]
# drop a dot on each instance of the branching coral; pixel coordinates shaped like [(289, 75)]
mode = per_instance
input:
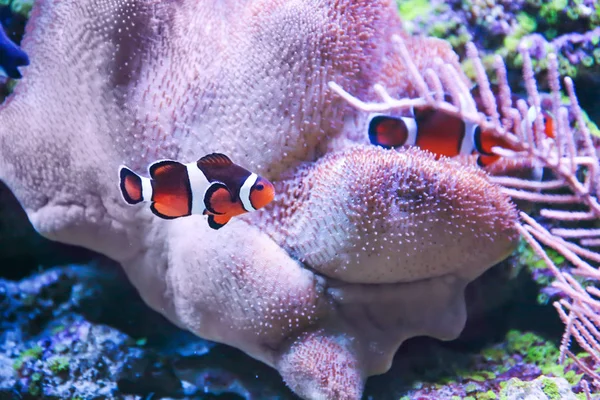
[(569, 198)]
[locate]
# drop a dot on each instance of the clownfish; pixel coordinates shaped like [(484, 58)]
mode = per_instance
[(11, 57), (212, 186), (444, 134)]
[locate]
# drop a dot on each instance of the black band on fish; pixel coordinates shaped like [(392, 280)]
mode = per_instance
[(171, 190), (161, 215), (208, 196), (479, 145)]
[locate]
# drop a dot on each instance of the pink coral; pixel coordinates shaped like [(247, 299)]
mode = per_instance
[(363, 248)]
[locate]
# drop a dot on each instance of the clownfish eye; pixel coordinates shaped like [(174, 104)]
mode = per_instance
[(260, 186)]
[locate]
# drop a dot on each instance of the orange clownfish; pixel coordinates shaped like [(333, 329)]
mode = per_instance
[(212, 186), (442, 134)]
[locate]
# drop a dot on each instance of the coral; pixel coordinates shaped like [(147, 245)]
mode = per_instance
[(499, 25), (567, 28), (13, 16), (115, 82), (53, 350), (411, 213), (571, 156)]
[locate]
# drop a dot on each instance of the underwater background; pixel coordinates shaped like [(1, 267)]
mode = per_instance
[(73, 327)]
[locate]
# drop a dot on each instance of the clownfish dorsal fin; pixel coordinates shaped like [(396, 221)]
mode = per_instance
[(217, 198), (218, 221), (214, 160)]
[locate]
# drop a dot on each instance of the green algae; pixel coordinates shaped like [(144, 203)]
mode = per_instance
[(550, 19), (594, 130), (478, 378), (488, 65), (411, 9), (485, 375), (542, 353), (527, 23), (532, 347), (493, 354), (470, 388), (489, 395), (550, 11), (596, 54), (550, 389), (34, 353), (515, 383), (442, 29), (587, 61), (21, 7), (573, 377), (35, 386), (527, 258), (58, 364), (535, 350)]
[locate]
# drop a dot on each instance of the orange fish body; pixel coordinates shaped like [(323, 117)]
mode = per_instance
[(212, 186), (443, 134)]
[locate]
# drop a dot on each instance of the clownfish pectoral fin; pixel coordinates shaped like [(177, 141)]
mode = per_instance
[(218, 221), (130, 184), (217, 198)]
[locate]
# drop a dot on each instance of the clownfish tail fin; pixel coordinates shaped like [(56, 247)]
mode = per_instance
[(133, 186)]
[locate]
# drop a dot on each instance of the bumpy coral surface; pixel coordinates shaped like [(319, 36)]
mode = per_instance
[(363, 247)]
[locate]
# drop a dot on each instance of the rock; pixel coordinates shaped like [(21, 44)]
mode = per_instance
[(81, 331), (542, 388), (21, 245)]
